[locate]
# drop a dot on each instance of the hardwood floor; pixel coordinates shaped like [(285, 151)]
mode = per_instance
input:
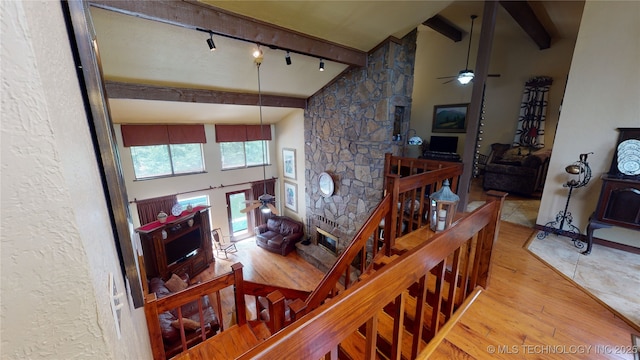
[(529, 311)]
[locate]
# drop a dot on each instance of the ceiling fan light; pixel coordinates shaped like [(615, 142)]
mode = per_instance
[(465, 77), (265, 209)]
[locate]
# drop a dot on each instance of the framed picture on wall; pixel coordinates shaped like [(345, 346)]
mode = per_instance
[(289, 163), (450, 118), (291, 196)]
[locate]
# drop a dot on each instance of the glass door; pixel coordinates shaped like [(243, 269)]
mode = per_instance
[(240, 225)]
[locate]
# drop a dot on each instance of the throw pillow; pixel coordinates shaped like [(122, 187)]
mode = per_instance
[(187, 323), (175, 284)]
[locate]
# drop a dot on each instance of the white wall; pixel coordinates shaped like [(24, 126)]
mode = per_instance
[(57, 243), (289, 135), (603, 93), (220, 180), (514, 56)]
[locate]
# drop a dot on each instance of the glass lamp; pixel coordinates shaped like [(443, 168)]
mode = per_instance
[(443, 204)]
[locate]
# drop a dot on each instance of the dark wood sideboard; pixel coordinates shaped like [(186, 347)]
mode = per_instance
[(181, 245), (619, 201)]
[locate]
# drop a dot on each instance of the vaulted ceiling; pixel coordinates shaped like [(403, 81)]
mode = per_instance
[(159, 68)]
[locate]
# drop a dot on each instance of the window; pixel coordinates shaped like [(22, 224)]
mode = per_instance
[(244, 154), (194, 201), (166, 160)]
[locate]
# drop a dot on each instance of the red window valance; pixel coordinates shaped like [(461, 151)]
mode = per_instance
[(237, 133), (145, 135)]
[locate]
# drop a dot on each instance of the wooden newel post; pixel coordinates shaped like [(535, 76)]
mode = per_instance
[(241, 309)]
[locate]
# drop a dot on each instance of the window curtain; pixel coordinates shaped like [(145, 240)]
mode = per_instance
[(148, 209), (258, 188), (146, 135), (239, 133), (530, 130)]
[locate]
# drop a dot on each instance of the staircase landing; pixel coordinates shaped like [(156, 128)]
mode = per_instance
[(229, 344)]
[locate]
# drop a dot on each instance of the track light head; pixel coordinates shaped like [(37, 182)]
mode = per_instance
[(321, 65), (287, 58), (258, 55), (212, 46)]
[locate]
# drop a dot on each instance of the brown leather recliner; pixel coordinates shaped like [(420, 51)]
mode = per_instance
[(279, 235)]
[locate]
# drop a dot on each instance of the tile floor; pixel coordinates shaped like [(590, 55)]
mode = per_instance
[(611, 275)]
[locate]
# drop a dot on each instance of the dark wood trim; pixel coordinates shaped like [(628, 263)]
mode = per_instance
[(473, 113), (120, 90), (196, 15), (523, 14), (444, 27)]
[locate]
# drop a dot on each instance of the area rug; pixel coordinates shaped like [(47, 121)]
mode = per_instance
[(523, 212), (610, 275)]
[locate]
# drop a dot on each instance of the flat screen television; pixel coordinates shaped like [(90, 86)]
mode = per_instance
[(444, 144), (182, 247)]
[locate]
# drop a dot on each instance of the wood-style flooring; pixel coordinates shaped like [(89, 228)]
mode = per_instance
[(529, 311)]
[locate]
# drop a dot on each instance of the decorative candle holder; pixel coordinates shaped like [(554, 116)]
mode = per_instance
[(442, 209)]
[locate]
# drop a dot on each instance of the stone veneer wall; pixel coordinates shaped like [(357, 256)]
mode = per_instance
[(348, 127)]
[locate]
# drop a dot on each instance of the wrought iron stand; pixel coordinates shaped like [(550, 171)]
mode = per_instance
[(582, 169)]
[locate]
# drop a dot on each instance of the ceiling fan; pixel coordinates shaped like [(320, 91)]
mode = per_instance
[(266, 202), (466, 76)]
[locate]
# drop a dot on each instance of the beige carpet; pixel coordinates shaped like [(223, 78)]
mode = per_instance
[(611, 275), (523, 212)]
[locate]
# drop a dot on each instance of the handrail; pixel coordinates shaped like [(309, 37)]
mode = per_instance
[(328, 283), (320, 331), (422, 174)]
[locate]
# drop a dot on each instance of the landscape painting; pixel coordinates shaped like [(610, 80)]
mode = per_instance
[(450, 118)]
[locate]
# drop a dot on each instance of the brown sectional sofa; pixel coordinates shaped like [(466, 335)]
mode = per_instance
[(279, 235), (516, 170)]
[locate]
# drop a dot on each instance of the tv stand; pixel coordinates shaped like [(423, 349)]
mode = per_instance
[(181, 245)]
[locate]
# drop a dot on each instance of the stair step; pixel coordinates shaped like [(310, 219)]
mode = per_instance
[(385, 333), (229, 344), (260, 330), (353, 348)]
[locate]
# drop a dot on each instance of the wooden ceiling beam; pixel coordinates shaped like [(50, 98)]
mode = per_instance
[(120, 90), (442, 26), (523, 14), (194, 15)]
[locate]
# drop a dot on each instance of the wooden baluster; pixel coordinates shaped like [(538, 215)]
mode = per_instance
[(183, 336), (398, 328), (241, 310), (371, 338), (437, 301), (453, 285), (219, 311), (275, 301), (153, 325), (418, 318)]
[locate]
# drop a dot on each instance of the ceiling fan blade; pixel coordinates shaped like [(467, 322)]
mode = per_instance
[(250, 207), (273, 209), (251, 201), (446, 82)]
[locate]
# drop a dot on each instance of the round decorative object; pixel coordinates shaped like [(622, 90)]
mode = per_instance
[(629, 157), (327, 186), (176, 210), (162, 217), (189, 208)]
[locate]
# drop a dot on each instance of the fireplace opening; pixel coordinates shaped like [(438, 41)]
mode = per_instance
[(327, 241)]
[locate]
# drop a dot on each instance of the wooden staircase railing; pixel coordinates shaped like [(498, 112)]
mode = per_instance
[(408, 180), (456, 261)]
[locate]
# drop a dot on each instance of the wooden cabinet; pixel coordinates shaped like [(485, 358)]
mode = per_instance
[(619, 202), (181, 245)]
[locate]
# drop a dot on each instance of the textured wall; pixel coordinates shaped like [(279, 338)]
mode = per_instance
[(348, 129), (57, 242), (602, 94)]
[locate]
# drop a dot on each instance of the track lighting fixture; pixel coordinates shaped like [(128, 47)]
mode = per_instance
[(257, 53), (287, 58), (212, 46), (321, 65)]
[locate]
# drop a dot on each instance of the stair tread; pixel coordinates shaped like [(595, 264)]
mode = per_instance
[(385, 330), (354, 346), (229, 344)]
